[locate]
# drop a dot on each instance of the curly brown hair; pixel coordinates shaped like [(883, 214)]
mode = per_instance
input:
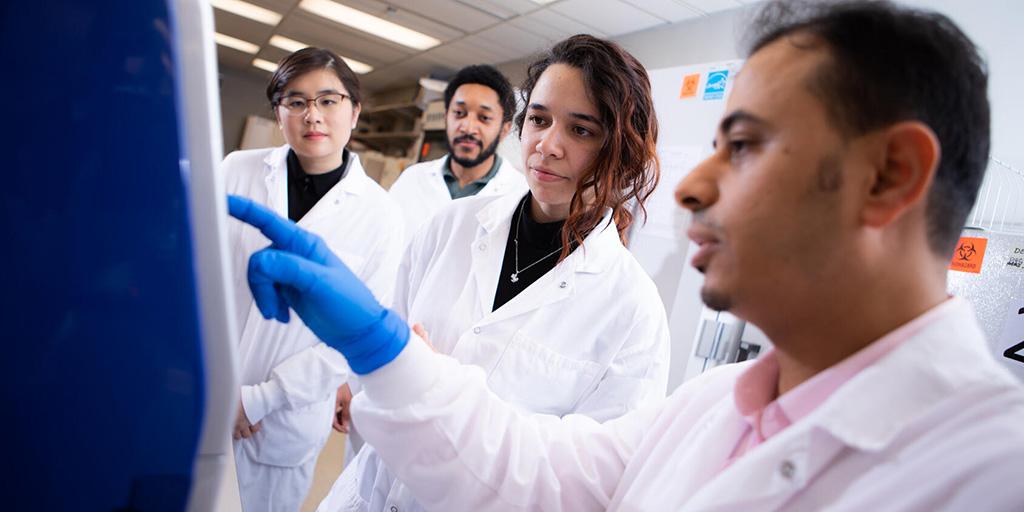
[(626, 167)]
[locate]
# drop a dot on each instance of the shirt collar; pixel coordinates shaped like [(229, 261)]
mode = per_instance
[(354, 182), (449, 175), (754, 393)]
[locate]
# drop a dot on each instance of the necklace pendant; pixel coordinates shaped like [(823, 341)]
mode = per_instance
[(515, 277)]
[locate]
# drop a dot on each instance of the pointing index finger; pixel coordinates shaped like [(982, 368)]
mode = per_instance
[(281, 232)]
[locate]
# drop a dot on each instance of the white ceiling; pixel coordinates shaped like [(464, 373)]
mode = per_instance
[(471, 32)]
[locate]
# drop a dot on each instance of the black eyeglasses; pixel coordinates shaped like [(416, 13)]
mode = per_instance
[(326, 103)]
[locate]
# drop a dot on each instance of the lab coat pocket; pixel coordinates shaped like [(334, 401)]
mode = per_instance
[(540, 379), (289, 437)]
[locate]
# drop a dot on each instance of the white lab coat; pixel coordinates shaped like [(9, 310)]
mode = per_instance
[(588, 337), (289, 378), (421, 192), (934, 425)]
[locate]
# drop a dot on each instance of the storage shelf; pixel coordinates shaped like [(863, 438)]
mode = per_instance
[(386, 135), (409, 109)]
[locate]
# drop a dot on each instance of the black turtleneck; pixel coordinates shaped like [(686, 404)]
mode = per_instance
[(537, 241), (305, 190)]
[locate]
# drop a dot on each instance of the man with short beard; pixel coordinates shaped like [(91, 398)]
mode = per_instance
[(479, 104)]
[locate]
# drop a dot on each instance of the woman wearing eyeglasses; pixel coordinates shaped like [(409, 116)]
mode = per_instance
[(538, 289), (289, 378)]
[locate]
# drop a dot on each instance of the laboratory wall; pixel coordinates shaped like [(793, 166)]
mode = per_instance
[(242, 94)]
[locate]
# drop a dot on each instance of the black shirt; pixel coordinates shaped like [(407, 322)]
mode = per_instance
[(305, 190), (538, 242)]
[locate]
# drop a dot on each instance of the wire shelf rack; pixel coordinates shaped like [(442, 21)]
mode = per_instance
[(1000, 204)]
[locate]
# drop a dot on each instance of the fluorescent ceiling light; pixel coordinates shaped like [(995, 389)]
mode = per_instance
[(238, 44), (291, 45), (247, 10), (543, 2), (265, 65), (288, 45), (359, 67), (372, 25)]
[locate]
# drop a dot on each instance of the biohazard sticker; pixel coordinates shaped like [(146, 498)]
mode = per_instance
[(969, 254), (690, 83)]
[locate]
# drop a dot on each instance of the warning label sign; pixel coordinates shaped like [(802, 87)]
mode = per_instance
[(969, 254), (689, 89)]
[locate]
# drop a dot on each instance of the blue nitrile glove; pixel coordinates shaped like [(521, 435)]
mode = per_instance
[(300, 271)]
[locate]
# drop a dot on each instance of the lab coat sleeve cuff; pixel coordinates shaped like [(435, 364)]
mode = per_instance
[(262, 399), (403, 380)]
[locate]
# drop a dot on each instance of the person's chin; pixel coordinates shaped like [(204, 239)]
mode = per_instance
[(315, 149), (546, 192), (715, 298)]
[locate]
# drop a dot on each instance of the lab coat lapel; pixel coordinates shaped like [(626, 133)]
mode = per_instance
[(488, 249), (275, 167), (560, 283), (353, 182), (501, 182), (554, 286), (435, 185)]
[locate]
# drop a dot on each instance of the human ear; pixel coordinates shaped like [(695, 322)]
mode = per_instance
[(903, 173), (356, 109)]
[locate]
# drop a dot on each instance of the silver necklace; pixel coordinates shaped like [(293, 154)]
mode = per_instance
[(515, 275)]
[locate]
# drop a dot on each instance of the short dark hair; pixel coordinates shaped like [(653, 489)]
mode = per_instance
[(487, 76), (312, 59), (891, 64)]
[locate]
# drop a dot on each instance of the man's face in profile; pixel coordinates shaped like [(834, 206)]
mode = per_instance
[(774, 214)]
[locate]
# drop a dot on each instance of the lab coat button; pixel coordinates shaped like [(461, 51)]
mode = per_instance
[(483, 247), (476, 330), (394, 509), (787, 469), (563, 284)]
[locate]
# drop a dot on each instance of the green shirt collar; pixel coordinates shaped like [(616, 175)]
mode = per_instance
[(470, 189)]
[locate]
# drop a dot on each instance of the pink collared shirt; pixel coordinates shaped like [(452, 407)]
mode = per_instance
[(767, 415)]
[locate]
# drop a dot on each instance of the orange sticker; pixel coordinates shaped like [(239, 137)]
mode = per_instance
[(690, 83), (968, 255)]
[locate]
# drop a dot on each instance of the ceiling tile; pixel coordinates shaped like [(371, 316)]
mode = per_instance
[(460, 16), (347, 41), (668, 10), (405, 18), (477, 51), (233, 58), (513, 41), (503, 8), (335, 42), (242, 28), (457, 55), (614, 17), (278, 6), (710, 6), (554, 26)]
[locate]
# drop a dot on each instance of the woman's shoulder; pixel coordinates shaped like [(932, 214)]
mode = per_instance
[(244, 157)]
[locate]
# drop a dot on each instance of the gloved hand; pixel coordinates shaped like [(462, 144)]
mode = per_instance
[(299, 271)]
